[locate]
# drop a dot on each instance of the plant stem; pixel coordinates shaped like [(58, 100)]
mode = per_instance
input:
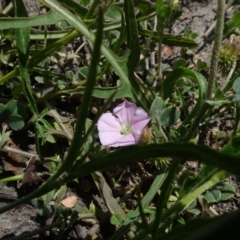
[(160, 34), (237, 118), (213, 67), (216, 48), (225, 82)]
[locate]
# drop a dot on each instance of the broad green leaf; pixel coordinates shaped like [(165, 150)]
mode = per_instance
[(236, 98), (169, 116), (212, 195), (16, 122), (116, 219), (113, 14), (232, 147), (227, 191), (164, 11), (236, 88), (156, 109), (236, 19), (16, 107), (236, 85), (4, 113)]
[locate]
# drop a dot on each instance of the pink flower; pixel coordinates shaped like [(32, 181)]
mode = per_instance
[(122, 127)]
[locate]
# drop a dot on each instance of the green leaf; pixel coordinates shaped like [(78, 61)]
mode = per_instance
[(144, 7), (236, 85), (236, 19), (16, 107), (156, 109), (164, 11), (44, 19), (128, 86), (236, 88), (116, 219), (217, 102), (236, 98), (74, 6), (85, 2), (232, 147), (227, 192), (212, 196), (171, 80), (83, 72), (4, 113), (203, 177), (206, 228), (133, 214), (132, 154), (22, 42), (169, 116), (16, 122), (113, 14), (171, 40), (78, 140), (4, 136)]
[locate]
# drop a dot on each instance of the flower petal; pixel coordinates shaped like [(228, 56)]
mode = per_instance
[(114, 139), (140, 115), (108, 122), (125, 112), (139, 122)]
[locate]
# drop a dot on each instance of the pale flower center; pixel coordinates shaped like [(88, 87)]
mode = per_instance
[(126, 129)]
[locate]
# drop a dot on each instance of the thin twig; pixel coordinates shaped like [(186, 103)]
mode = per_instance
[(19, 152)]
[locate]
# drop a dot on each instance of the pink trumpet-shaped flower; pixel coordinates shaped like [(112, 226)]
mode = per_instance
[(122, 127)]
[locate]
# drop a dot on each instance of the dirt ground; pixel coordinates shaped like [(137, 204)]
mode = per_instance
[(199, 16)]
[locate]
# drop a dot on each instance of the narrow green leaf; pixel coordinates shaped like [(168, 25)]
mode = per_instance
[(77, 141), (171, 80), (22, 40), (126, 89), (171, 40), (206, 228)]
